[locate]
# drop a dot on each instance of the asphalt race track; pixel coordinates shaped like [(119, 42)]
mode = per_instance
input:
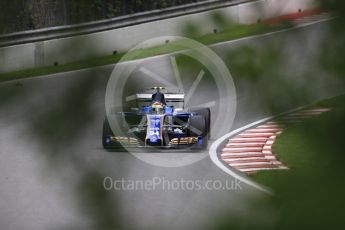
[(52, 164)]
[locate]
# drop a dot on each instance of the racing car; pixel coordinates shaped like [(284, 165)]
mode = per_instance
[(155, 122)]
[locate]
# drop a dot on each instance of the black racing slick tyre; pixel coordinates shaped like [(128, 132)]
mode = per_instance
[(106, 134), (198, 128), (206, 113)]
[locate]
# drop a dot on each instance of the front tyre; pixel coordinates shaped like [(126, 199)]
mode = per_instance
[(198, 128), (107, 133), (206, 113)]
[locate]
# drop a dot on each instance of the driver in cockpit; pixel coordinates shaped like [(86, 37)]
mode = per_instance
[(158, 97)]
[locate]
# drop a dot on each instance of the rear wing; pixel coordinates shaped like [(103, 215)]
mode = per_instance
[(169, 97)]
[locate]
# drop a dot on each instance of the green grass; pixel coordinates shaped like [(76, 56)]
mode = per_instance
[(311, 146), (240, 31), (231, 33)]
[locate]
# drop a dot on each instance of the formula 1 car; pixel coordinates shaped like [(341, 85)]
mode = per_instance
[(157, 123)]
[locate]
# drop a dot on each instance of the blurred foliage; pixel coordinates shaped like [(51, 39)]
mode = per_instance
[(307, 196), (20, 15), (191, 30), (254, 67), (220, 20), (331, 48)]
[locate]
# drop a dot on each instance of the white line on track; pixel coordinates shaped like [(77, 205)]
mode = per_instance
[(258, 169)]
